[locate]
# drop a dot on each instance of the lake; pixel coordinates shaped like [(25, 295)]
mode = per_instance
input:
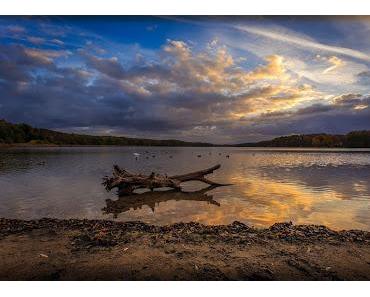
[(305, 186)]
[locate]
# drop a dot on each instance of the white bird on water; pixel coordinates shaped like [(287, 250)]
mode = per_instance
[(136, 154)]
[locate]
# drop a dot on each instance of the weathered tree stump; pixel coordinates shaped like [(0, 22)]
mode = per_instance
[(127, 182)]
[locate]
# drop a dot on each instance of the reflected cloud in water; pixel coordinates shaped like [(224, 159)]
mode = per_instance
[(337, 196), (322, 187)]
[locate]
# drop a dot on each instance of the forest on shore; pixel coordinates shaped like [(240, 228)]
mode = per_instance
[(354, 139), (26, 134)]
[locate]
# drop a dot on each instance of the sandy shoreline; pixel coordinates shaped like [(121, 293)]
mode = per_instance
[(52, 249)]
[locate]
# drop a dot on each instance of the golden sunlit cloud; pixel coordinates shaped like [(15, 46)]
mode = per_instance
[(335, 63), (360, 107), (266, 88), (233, 80), (44, 56)]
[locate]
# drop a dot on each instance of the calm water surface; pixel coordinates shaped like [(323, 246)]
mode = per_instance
[(330, 187)]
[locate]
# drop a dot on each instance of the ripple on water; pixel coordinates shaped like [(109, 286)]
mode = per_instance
[(328, 187)]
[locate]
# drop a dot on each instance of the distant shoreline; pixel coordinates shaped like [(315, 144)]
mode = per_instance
[(25, 135), (7, 145), (266, 148), (75, 249)]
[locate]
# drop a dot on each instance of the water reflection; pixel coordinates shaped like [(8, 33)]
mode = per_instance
[(152, 199), (347, 181), (14, 162), (335, 196), (330, 187)]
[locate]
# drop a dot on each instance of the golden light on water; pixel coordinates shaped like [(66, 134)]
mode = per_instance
[(262, 195), (269, 186)]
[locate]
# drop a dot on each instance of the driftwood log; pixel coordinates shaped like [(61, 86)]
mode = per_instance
[(127, 182)]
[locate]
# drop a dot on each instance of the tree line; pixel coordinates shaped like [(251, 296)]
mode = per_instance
[(354, 139), (23, 133)]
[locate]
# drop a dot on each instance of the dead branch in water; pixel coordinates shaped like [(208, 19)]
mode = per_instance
[(127, 182)]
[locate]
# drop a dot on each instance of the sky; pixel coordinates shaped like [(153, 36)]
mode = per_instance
[(215, 79)]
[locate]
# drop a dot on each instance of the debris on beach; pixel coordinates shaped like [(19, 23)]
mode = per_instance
[(208, 252), (127, 182)]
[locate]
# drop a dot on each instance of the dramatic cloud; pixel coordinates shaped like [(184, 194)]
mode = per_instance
[(200, 89)]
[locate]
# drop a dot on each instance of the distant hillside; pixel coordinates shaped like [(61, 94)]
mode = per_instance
[(355, 139), (23, 133)]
